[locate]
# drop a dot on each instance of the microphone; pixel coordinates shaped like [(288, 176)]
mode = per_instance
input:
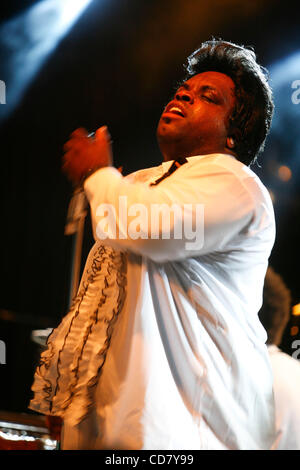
[(76, 211), (77, 207)]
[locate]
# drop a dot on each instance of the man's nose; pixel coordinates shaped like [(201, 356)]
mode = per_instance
[(184, 95)]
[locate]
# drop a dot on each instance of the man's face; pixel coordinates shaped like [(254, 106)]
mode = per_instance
[(196, 120)]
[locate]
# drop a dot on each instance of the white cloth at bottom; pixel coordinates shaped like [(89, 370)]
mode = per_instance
[(286, 371)]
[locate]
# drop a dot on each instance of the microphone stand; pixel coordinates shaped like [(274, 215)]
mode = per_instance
[(76, 215), (77, 212)]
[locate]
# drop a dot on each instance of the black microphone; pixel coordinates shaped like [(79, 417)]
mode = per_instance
[(76, 211), (77, 207)]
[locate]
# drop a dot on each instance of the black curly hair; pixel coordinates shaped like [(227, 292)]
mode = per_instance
[(252, 116), (275, 311)]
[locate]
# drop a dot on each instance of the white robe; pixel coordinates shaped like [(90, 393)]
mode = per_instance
[(163, 348)]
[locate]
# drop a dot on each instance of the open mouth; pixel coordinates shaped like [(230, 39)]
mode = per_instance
[(174, 110)]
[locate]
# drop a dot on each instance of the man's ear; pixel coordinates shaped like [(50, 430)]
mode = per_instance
[(230, 143), (233, 138)]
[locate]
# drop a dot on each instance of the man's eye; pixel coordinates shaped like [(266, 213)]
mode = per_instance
[(208, 98)]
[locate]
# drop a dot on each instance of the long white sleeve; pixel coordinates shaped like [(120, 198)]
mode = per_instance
[(200, 187)]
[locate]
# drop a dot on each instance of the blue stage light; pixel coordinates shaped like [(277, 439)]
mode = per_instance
[(285, 81), (27, 41)]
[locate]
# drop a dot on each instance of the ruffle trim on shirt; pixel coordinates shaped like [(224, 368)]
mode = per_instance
[(69, 369)]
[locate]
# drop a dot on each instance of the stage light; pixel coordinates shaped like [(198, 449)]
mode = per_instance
[(284, 173), (29, 39), (294, 330), (285, 81), (296, 310)]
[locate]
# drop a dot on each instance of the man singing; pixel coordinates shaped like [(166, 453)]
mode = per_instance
[(162, 347)]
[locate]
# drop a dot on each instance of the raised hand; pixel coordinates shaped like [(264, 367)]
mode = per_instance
[(84, 154)]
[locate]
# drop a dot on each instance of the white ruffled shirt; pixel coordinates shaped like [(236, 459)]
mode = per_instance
[(185, 364)]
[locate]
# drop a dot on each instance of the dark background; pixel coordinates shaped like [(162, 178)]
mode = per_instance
[(117, 66)]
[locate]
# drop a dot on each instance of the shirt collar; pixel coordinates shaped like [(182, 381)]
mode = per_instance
[(166, 165)]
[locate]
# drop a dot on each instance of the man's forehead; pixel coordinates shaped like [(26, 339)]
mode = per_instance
[(218, 79)]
